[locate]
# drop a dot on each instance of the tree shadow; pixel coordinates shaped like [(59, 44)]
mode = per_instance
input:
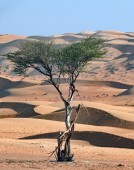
[(99, 139)]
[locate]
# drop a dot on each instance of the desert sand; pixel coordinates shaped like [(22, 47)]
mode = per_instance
[(32, 114)]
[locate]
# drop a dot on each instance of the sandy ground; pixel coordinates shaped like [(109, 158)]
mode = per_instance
[(32, 114)]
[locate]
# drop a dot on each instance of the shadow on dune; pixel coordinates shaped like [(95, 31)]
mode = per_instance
[(24, 110), (4, 83), (11, 46), (124, 48), (91, 116), (120, 39), (100, 139), (69, 38), (94, 83), (127, 50), (4, 93), (129, 91), (131, 40), (122, 56), (41, 38), (46, 82), (104, 83), (127, 57), (7, 84)]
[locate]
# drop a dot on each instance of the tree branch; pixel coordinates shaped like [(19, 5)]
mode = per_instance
[(38, 69), (57, 88)]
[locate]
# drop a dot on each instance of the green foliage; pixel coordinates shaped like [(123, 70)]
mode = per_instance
[(77, 55), (30, 53), (49, 60)]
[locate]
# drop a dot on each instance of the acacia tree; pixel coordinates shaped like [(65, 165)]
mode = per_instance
[(57, 64)]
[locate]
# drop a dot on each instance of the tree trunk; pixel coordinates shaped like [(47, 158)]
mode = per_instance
[(68, 110), (64, 154)]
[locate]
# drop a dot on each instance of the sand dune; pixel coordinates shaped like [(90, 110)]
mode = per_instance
[(86, 33), (103, 83), (108, 140), (118, 61), (61, 39), (111, 32), (12, 109), (32, 114), (98, 114), (37, 139), (7, 37), (17, 130), (44, 109), (11, 46), (6, 83), (128, 92), (7, 113)]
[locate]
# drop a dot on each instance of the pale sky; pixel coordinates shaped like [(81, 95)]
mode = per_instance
[(48, 17)]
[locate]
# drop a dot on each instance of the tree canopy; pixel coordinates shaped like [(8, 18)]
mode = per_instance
[(49, 60), (57, 63)]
